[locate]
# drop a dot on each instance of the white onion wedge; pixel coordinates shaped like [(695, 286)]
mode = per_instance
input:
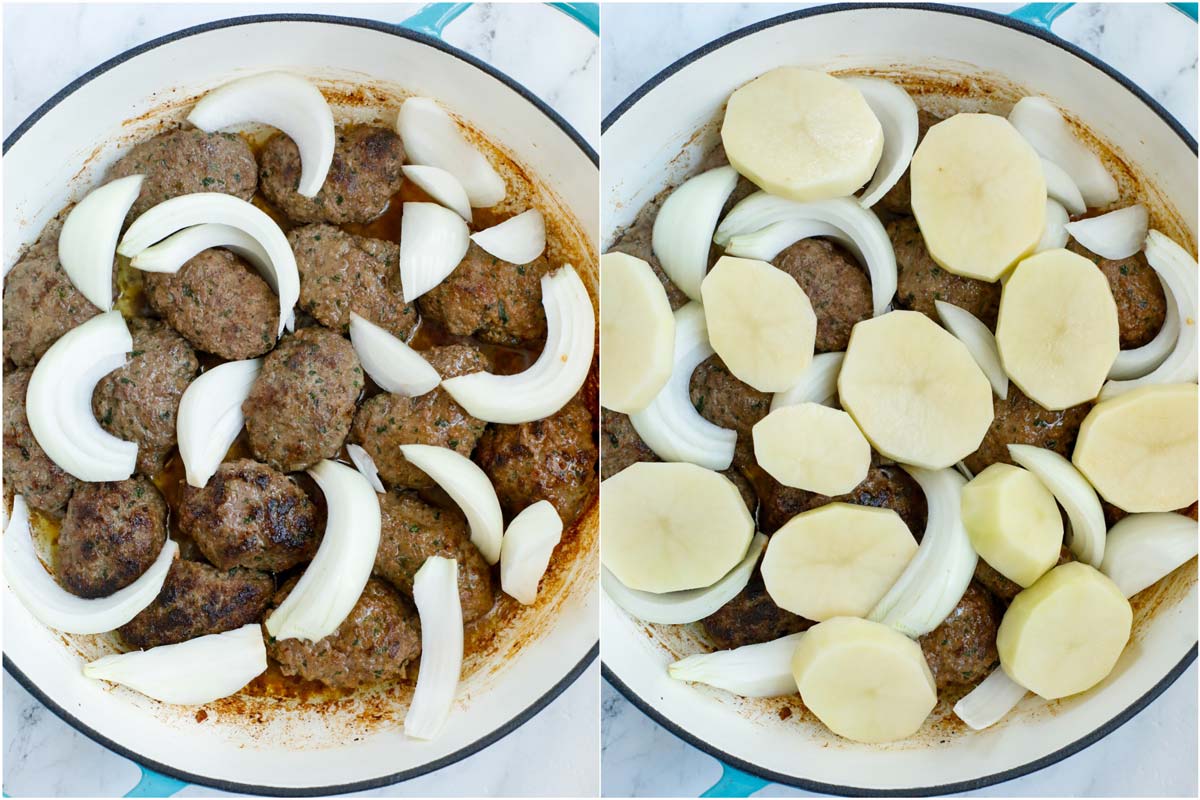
[(283, 101), (980, 343), (772, 240), (897, 114), (517, 240), (1115, 235), (334, 580), (938, 575), (1055, 233), (964, 470), (186, 211), (57, 608), (88, 240), (818, 383), (390, 362), (753, 670), (870, 242), (442, 186), (366, 465), (987, 703), (1073, 493), (1060, 187), (671, 426), (210, 417), (189, 673), (59, 400), (1143, 548), (684, 227), (1044, 127), (1138, 361), (469, 487), (433, 241), (432, 138), (435, 593), (525, 552), (560, 369)]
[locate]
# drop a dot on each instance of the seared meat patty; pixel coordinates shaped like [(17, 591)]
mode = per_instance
[(374, 644), (1141, 303), (620, 445), (28, 471), (196, 600), (111, 534), (386, 421), (921, 281), (301, 406), (188, 161), (898, 199), (886, 486), (414, 530), (364, 175), (1020, 420), (1004, 589), (963, 648), (139, 401), (219, 303), (751, 617), (249, 515), (549, 459), (836, 285), (724, 400)]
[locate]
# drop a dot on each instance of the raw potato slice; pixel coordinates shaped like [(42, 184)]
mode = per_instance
[(1063, 635), (809, 446), (1013, 522), (760, 322), (802, 134), (1139, 448), (914, 390), (673, 526), (837, 560), (637, 333), (865, 681), (978, 194), (1057, 330)]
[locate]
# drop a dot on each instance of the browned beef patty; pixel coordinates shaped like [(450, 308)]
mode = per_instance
[(1141, 303), (28, 471), (836, 285), (921, 281), (963, 648), (724, 400), (620, 445), (1020, 420), (751, 617), (898, 200)]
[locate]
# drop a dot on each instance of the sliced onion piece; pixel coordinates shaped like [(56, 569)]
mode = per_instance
[(1144, 548), (684, 226), (210, 417), (1073, 493), (559, 371), (753, 670), (57, 608), (938, 575), (1138, 361), (435, 593), (964, 470), (871, 244), (671, 426), (189, 673), (59, 400), (283, 101), (366, 465), (1044, 127), (442, 186), (168, 217), (987, 703), (334, 580), (525, 552), (818, 383), (469, 487), (433, 241), (391, 363), (980, 343), (1060, 187), (1055, 233), (517, 240), (681, 608), (432, 138), (1115, 235), (88, 239), (897, 114), (772, 240)]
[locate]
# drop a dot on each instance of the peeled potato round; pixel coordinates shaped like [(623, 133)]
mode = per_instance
[(1013, 522), (914, 390), (672, 526), (813, 447), (637, 333), (802, 134), (1139, 448)]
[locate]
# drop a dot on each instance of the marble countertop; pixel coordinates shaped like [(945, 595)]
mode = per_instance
[(46, 47), (1152, 755)]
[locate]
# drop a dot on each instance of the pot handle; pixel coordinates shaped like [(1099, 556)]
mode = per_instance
[(433, 18), (1040, 15)]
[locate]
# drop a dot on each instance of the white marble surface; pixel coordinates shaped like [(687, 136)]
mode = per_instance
[(47, 46), (1152, 755)]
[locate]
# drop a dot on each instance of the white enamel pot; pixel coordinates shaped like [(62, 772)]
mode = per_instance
[(55, 156), (655, 138)]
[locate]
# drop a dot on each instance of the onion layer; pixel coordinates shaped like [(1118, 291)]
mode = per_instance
[(517, 240), (57, 608), (1073, 493), (1143, 548), (89, 236), (59, 400), (366, 465), (1055, 234), (897, 114), (1115, 235), (1138, 361), (1060, 187), (189, 673), (818, 383), (210, 417), (684, 226), (525, 552), (980, 343), (469, 487), (753, 670), (435, 593), (671, 426), (559, 371), (432, 138), (987, 703), (433, 241), (391, 363), (1044, 127), (443, 187)]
